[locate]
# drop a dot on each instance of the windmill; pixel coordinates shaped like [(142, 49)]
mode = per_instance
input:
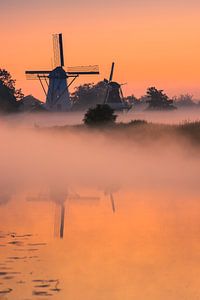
[(114, 94), (60, 196), (56, 83)]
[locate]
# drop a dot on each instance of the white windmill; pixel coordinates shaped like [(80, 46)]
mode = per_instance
[(55, 83)]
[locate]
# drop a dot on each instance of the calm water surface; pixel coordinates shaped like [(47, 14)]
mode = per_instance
[(124, 245)]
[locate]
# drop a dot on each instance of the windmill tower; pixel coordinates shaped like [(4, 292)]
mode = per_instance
[(114, 94), (56, 83)]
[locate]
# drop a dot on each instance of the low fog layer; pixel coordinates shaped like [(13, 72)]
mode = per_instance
[(29, 120), (32, 157)]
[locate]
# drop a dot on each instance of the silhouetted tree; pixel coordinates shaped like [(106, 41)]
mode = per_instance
[(102, 114), (8, 103), (88, 95), (184, 100), (132, 100), (9, 82), (158, 100)]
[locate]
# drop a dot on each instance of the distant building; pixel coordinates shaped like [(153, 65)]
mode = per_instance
[(31, 104)]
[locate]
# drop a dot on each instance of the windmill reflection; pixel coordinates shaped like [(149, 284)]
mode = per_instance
[(5, 198), (60, 196), (5, 194), (109, 191)]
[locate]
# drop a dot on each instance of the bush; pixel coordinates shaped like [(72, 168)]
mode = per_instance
[(102, 114)]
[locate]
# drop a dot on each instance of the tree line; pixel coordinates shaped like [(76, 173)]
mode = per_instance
[(86, 96)]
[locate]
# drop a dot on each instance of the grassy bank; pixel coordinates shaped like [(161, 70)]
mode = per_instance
[(139, 131)]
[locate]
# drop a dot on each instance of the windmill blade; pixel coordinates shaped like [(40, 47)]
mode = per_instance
[(121, 94), (58, 50), (36, 75), (83, 70), (110, 79), (112, 72)]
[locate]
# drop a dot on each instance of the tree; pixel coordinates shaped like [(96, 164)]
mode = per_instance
[(102, 114), (158, 100), (9, 82), (88, 95), (8, 103), (184, 100)]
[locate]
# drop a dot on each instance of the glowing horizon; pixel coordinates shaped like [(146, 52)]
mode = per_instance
[(154, 43)]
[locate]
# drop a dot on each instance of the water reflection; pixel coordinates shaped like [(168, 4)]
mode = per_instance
[(150, 243), (60, 196), (110, 191)]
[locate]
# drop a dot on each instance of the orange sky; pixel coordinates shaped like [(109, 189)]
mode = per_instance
[(152, 42)]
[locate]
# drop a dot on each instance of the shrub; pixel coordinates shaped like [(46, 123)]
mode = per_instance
[(102, 114)]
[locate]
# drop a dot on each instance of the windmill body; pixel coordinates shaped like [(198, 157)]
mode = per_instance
[(58, 95), (114, 95), (56, 83)]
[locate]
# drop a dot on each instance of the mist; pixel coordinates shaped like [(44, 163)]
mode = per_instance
[(48, 157), (29, 120)]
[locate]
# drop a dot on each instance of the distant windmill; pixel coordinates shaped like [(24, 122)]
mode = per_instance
[(114, 94), (56, 81), (60, 196)]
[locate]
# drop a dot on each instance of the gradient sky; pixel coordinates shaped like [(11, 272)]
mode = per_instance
[(153, 42)]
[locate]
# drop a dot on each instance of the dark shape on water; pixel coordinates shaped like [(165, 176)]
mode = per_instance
[(138, 122), (41, 293), (37, 244), (42, 286), (7, 291)]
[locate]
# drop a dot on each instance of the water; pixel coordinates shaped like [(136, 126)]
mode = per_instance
[(147, 249)]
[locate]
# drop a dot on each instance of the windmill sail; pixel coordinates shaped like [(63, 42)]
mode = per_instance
[(56, 86), (81, 70), (35, 75), (58, 50), (112, 72), (114, 95)]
